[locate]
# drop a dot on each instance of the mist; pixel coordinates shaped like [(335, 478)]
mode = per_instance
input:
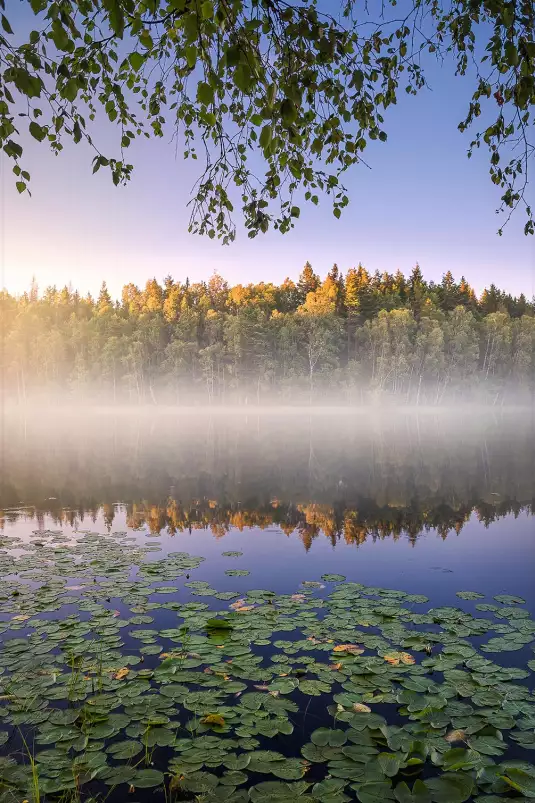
[(404, 468)]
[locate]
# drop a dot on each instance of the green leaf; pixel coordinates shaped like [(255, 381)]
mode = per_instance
[(205, 93), (375, 792), (521, 781), (459, 758), (243, 78), (191, 56), (20, 185), (136, 60), (419, 793), (5, 25), (207, 10), (470, 595), (146, 40), (288, 111), (219, 624), (70, 90), (265, 136), (37, 131), (147, 778), (511, 54), (326, 736), (389, 763), (450, 788)]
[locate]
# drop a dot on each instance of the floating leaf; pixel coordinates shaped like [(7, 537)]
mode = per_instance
[(326, 736), (351, 649), (450, 788), (213, 719), (121, 673)]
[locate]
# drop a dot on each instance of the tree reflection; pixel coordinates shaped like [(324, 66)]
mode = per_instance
[(347, 479)]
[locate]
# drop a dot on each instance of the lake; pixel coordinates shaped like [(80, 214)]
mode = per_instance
[(331, 605)]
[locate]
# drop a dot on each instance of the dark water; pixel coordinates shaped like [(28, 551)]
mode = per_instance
[(424, 504)]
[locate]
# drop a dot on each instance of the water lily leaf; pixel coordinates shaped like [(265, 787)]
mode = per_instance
[(314, 687), (326, 736), (277, 792), (469, 595), (458, 758), (237, 762), (213, 719), (488, 745), (234, 778), (450, 788), (147, 778), (389, 763), (125, 750), (375, 792), (219, 624), (121, 673), (232, 554), (333, 578), (419, 793), (360, 708), (520, 780), (350, 649), (200, 782), (507, 599)]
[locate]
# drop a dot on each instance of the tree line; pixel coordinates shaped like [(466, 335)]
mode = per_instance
[(353, 338)]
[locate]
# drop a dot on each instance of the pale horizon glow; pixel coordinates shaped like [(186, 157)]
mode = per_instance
[(423, 201)]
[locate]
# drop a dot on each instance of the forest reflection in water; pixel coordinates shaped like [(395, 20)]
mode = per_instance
[(333, 475)]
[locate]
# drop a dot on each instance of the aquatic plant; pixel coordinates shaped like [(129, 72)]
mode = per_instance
[(339, 691)]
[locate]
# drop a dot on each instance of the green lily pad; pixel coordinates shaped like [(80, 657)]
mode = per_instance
[(450, 788), (323, 737), (148, 778)]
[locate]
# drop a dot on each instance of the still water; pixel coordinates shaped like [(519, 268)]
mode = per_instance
[(425, 505), (433, 502)]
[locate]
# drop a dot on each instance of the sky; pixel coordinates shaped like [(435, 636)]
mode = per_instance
[(421, 201)]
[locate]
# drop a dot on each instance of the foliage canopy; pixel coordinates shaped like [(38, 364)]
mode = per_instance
[(357, 336), (279, 97)]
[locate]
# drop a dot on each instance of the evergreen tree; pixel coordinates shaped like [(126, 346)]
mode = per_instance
[(490, 300), (448, 292), (417, 291), (308, 282), (104, 301)]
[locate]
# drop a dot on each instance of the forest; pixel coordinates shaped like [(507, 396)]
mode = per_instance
[(356, 338)]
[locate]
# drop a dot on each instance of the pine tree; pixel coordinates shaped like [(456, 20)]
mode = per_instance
[(417, 289), (337, 279), (104, 302), (400, 285), (490, 300), (34, 291), (308, 282), (448, 292)]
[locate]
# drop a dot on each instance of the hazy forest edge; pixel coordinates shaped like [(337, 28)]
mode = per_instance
[(352, 339)]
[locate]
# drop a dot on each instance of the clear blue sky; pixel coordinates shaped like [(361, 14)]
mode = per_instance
[(423, 200)]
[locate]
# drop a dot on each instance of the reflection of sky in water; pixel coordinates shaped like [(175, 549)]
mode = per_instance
[(498, 558)]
